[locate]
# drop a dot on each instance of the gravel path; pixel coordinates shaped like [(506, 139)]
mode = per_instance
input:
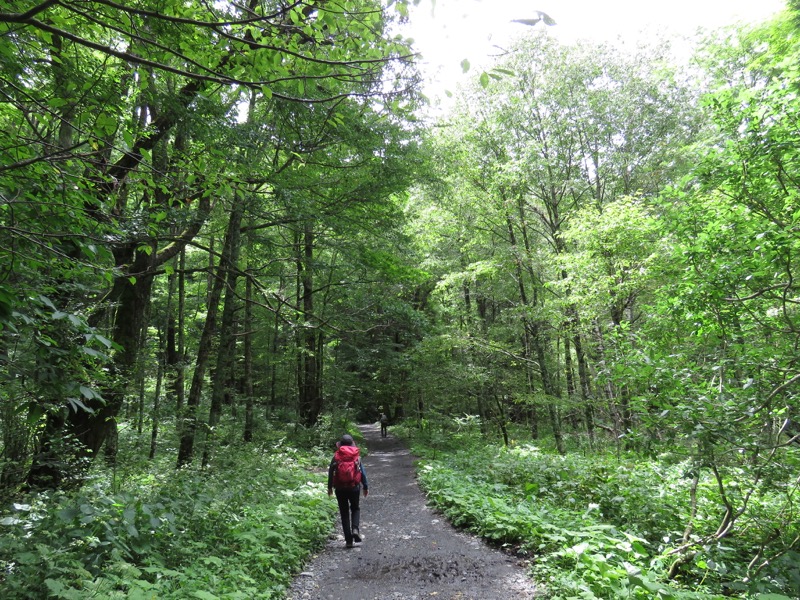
[(409, 552)]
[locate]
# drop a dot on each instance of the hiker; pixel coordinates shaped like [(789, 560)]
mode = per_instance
[(346, 475), (384, 425)]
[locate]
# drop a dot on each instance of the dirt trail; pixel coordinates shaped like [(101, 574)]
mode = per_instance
[(409, 552)]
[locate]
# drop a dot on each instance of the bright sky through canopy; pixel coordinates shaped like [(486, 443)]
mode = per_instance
[(449, 31)]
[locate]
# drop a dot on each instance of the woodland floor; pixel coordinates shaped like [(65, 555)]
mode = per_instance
[(408, 552)]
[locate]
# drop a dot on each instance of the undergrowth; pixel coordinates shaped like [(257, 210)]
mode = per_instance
[(240, 529), (594, 527)]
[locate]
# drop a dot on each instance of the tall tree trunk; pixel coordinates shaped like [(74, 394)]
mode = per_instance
[(550, 389), (248, 360), (310, 405), (568, 368), (189, 418), (77, 435), (176, 335), (501, 419), (155, 420), (141, 378), (226, 347), (273, 366), (92, 428)]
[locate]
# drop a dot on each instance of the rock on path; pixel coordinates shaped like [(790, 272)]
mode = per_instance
[(409, 552)]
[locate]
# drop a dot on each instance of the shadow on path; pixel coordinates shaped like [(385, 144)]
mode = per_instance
[(409, 552)]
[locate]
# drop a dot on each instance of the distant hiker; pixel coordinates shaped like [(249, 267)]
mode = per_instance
[(346, 475), (384, 425)]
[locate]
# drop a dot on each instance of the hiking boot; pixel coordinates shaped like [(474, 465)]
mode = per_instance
[(356, 536), (348, 544)]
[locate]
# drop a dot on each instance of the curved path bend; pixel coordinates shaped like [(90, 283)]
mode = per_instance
[(408, 551)]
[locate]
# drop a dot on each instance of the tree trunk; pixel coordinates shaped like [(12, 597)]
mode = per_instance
[(273, 367), (568, 368), (47, 470), (248, 360), (90, 429), (501, 418), (189, 418), (176, 336), (310, 405), (226, 348), (549, 388), (156, 408)]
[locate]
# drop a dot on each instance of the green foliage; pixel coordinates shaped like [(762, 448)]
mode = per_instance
[(560, 210), (597, 527), (121, 132), (239, 532)]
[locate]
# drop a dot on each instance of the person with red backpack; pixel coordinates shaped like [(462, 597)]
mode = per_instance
[(346, 475)]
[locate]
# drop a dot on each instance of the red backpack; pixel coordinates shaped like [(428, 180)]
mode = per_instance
[(348, 467)]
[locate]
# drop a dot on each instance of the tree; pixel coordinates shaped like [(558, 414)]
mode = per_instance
[(123, 111), (551, 131), (724, 332)]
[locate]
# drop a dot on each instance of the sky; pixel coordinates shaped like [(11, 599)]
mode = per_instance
[(449, 31)]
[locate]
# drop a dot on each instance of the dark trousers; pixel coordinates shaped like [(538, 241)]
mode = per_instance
[(384, 429), (349, 510)]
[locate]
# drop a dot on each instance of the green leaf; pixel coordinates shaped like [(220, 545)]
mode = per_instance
[(103, 340), (129, 514), (465, 65), (47, 302), (69, 514), (76, 403), (35, 413), (106, 124), (56, 587), (93, 353)]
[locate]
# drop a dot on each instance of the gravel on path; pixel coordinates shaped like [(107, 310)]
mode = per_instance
[(408, 552)]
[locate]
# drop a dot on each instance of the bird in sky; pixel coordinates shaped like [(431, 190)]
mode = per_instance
[(540, 16)]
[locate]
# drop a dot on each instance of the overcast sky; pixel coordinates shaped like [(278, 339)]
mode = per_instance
[(448, 31)]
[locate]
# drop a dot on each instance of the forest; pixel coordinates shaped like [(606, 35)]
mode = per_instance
[(228, 232)]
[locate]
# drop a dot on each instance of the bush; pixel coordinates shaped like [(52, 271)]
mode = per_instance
[(240, 531), (598, 527)]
